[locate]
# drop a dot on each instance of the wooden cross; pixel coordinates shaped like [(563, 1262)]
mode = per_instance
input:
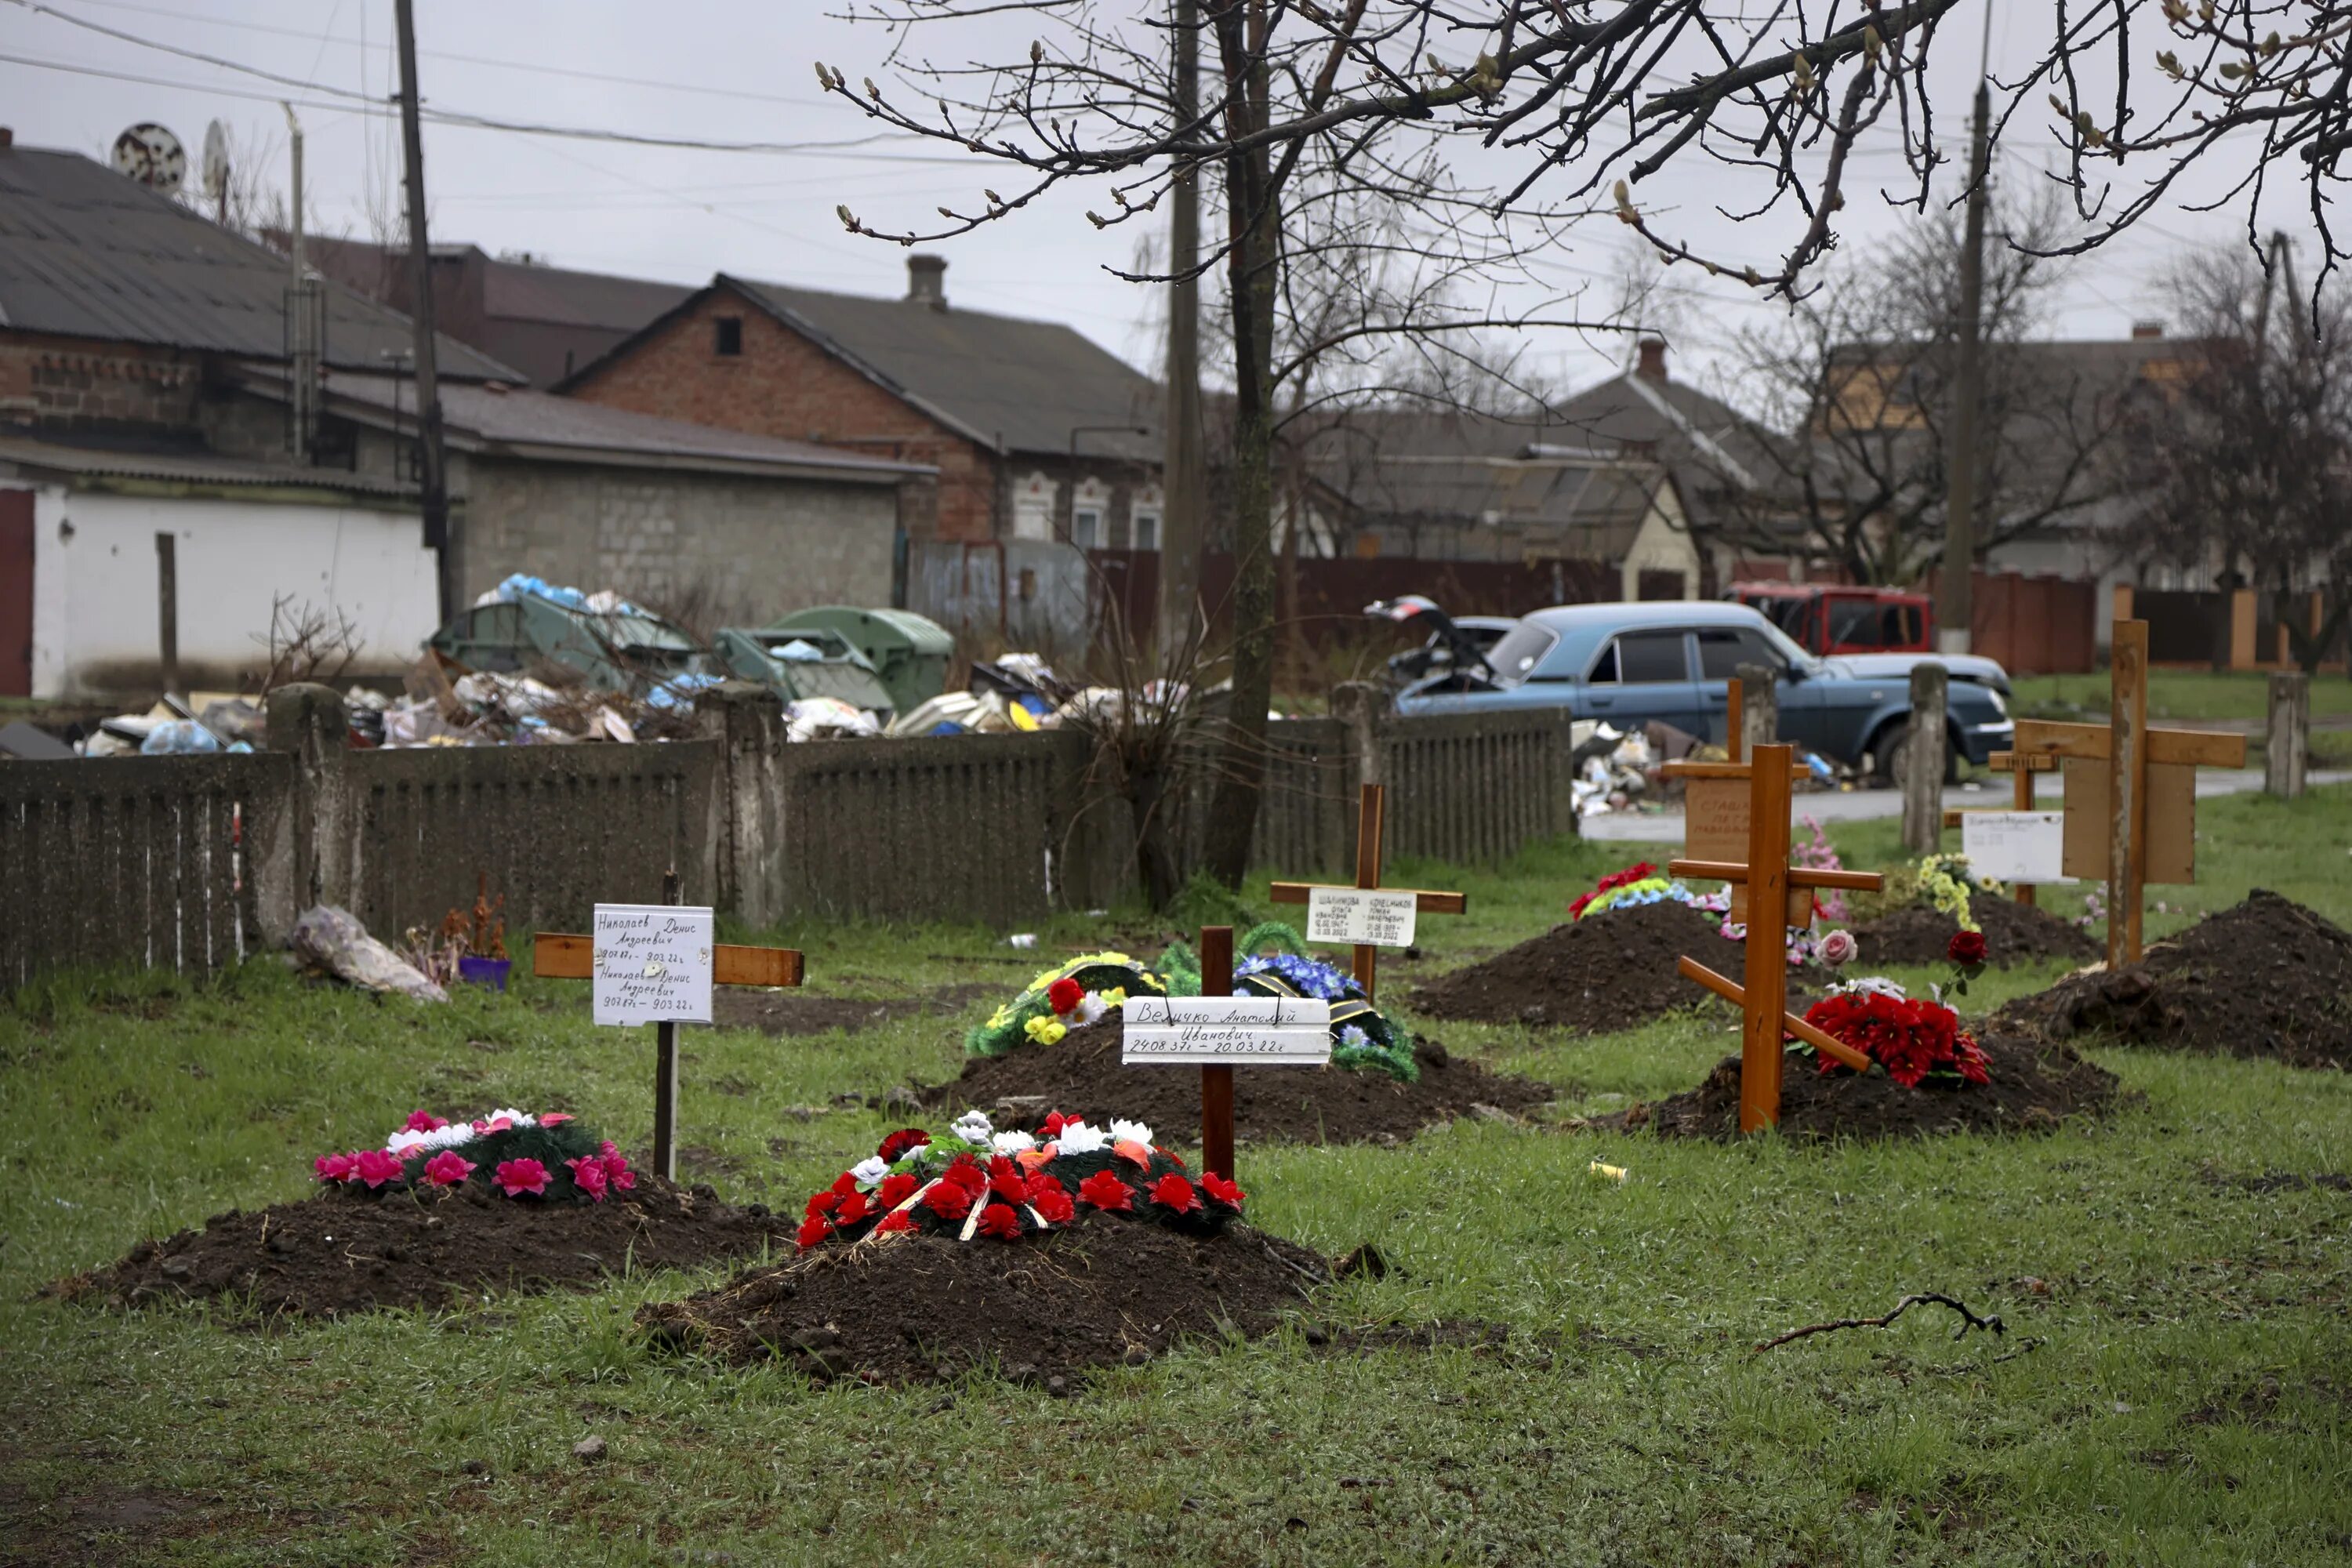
[(2131, 792), (1765, 873), (558, 955), (1718, 817), (1371, 814)]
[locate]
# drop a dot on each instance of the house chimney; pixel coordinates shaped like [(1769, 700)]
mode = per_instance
[(927, 280), (8, 137), (2147, 330), (1654, 358)]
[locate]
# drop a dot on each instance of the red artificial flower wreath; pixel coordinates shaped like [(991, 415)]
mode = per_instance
[(1912, 1040)]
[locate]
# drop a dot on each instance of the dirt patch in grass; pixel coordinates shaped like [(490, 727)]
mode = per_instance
[(2035, 1085), (2266, 978), (2014, 934), (1044, 1310), (792, 1013), (1081, 1076), (1612, 971), (91, 1528), (338, 1253)]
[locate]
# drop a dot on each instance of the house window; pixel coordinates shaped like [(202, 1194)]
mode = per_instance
[(1033, 507), (1146, 530), (1086, 527), (728, 338)]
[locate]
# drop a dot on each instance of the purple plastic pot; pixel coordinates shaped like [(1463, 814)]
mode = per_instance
[(489, 972)]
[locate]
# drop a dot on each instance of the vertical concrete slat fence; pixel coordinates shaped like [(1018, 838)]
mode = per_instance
[(191, 863)]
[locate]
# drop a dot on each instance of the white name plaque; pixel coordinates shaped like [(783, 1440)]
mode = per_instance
[(1234, 1031), (653, 964), (2015, 845), (1360, 915)]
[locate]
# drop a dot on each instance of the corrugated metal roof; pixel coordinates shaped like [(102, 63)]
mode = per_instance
[(85, 253), (170, 465), (484, 416), (1027, 383)]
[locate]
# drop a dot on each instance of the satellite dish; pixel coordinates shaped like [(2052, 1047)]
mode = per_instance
[(153, 156), (216, 160)]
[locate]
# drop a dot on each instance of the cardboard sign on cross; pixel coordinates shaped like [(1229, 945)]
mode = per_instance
[(651, 989), (1218, 1030), (1762, 870), (2131, 792), (2028, 867), (1381, 917)]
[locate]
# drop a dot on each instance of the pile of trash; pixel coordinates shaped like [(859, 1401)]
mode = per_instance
[(204, 724), (1621, 770)]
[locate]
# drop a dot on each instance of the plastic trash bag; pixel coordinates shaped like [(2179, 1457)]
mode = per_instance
[(333, 940), (800, 650), (815, 718), (179, 738)]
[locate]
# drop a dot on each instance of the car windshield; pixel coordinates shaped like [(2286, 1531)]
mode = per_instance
[(1794, 656), (1523, 648)]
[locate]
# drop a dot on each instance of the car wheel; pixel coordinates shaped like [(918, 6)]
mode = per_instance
[(1890, 764)]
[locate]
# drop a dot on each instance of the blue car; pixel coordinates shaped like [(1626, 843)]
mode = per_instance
[(1673, 662)]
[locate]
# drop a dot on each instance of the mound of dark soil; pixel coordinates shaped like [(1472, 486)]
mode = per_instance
[(2266, 978), (1611, 971), (2013, 933), (915, 1307), (2034, 1084), (1080, 1075), (338, 1253), (794, 1012)]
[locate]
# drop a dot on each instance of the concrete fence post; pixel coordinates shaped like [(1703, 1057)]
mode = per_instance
[(309, 723), (1922, 761), (1760, 707), (747, 723), (2289, 748)]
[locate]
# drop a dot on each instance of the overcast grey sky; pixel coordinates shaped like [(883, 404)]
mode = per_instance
[(732, 70)]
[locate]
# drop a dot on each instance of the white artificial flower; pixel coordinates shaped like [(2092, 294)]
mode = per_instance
[(402, 1142), (1077, 1138), (1874, 983), (1130, 1132), (974, 1127), (520, 1118), (870, 1171), (1089, 1010), (447, 1136), (1012, 1143)]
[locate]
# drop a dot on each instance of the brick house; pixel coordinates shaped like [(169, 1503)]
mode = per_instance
[(144, 393), (1037, 432)]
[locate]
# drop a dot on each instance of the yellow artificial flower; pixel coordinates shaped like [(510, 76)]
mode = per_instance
[(1045, 1029)]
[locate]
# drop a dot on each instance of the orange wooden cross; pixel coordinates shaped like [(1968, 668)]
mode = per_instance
[(2131, 792), (1370, 822), (563, 955), (1771, 883)]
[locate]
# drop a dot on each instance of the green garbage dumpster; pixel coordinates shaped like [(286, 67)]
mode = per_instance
[(809, 662), (909, 651)]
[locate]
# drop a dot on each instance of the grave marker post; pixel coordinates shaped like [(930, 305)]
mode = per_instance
[(1370, 823), (1217, 1078), (1766, 875), (563, 955), (2131, 791), (2288, 751)]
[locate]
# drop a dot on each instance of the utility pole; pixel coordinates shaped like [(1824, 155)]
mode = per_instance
[(1956, 594), (434, 474), (1183, 525)]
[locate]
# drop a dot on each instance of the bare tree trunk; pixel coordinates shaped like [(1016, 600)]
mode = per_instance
[(1254, 255), (1184, 521)]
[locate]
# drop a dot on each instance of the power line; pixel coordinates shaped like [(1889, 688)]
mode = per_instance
[(354, 103), (698, 89)]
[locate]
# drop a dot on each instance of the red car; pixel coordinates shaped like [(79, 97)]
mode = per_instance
[(1830, 618)]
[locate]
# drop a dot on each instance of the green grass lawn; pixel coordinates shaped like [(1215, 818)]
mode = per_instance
[(2174, 1387), (2185, 694)]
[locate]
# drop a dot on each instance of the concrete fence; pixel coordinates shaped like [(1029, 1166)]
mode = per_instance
[(191, 863)]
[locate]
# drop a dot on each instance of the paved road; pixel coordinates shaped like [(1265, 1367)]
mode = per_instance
[(1862, 804)]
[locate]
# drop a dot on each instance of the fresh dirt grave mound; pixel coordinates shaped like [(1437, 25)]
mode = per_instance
[(339, 1252), (913, 1307), (2013, 933), (1080, 1075), (1608, 972), (2035, 1084), (792, 1013), (2266, 978)]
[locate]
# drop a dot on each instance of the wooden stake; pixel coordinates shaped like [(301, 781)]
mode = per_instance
[(665, 1072), (2128, 837), (2023, 783), (1371, 812), (1766, 978), (1217, 1082), (1735, 714)]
